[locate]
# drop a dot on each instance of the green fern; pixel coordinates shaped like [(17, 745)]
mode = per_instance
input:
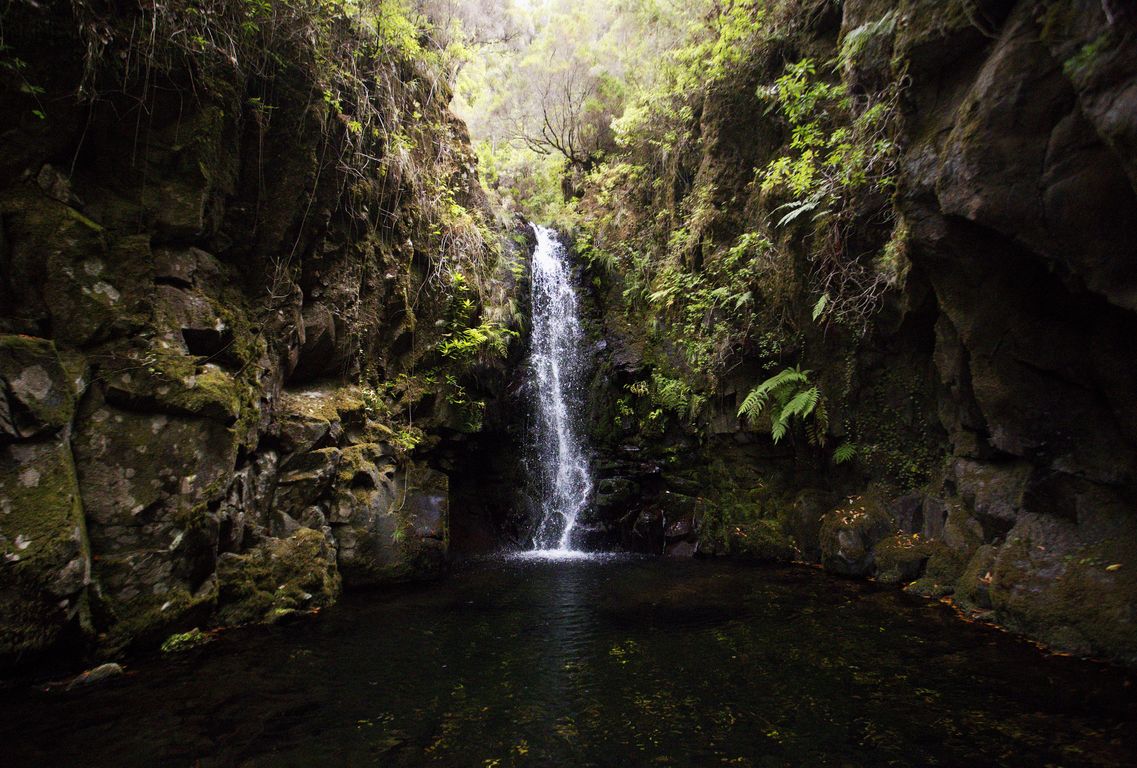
[(845, 452), (793, 397), (755, 402)]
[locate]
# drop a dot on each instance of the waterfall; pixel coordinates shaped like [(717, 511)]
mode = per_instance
[(559, 461)]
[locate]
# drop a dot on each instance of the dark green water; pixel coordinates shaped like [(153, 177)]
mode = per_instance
[(619, 663)]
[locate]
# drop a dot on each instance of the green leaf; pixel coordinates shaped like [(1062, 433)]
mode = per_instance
[(819, 307)]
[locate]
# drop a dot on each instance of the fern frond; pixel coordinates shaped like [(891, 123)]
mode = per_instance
[(818, 428), (756, 401), (801, 405), (815, 436), (778, 429), (845, 452), (753, 404)]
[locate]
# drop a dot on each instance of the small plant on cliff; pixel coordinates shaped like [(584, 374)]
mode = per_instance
[(839, 169), (789, 395)]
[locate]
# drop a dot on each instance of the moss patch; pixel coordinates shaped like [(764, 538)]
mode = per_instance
[(184, 641), (43, 546), (901, 558), (39, 397), (278, 577)]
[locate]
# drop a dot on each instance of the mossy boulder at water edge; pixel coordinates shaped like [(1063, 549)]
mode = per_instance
[(1072, 585), (396, 529), (901, 558), (756, 541), (278, 578), (849, 533)]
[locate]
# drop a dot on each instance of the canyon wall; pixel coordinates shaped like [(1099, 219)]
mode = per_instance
[(237, 272), (989, 398)]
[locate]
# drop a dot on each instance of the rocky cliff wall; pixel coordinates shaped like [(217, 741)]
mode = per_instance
[(233, 251), (990, 399)]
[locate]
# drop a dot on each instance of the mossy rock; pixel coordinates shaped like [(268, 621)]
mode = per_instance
[(1071, 586), (92, 286), (327, 404), (803, 519), (396, 536), (279, 576), (943, 569), (168, 382), (365, 465), (760, 541), (849, 533), (973, 588), (901, 558), (36, 394), (184, 641), (43, 543)]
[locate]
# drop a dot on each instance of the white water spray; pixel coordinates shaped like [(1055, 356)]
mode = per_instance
[(556, 366)]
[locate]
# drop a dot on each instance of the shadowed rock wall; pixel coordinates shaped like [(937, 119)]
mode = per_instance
[(220, 282), (993, 399)]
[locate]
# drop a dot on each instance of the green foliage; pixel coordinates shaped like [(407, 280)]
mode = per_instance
[(466, 339), (840, 154), (788, 395), (832, 152), (1087, 56), (406, 439), (465, 344), (14, 67), (856, 41)]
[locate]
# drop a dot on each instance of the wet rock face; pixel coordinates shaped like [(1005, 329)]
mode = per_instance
[(390, 522), (43, 536), (1021, 202), (179, 445)]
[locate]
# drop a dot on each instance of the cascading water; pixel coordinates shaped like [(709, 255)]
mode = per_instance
[(556, 365)]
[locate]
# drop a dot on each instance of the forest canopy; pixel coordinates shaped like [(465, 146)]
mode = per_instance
[(564, 83)]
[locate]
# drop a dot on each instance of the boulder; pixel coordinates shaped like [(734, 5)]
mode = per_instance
[(849, 533), (390, 525), (973, 587), (901, 558), (994, 492), (277, 578), (99, 674), (759, 541), (1071, 585), (804, 520)]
